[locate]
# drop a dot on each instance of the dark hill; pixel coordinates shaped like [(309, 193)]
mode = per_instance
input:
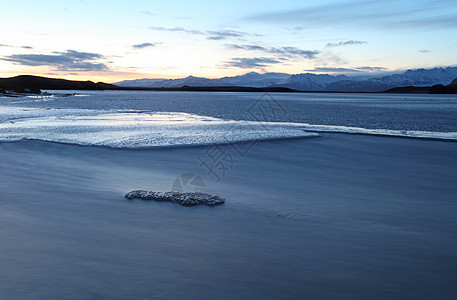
[(225, 89), (436, 89), (36, 83), (445, 89), (409, 90)]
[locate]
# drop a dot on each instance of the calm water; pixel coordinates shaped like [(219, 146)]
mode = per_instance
[(328, 217), (376, 111)]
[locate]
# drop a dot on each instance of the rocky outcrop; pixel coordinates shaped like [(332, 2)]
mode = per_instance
[(183, 199), (19, 92)]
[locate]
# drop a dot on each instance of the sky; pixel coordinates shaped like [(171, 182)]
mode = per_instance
[(118, 40)]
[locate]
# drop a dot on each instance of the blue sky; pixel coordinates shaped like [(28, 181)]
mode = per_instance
[(110, 41)]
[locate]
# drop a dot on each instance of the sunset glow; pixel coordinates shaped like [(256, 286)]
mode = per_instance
[(111, 41)]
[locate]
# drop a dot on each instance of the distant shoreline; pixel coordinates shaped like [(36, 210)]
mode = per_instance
[(27, 84), (231, 89)]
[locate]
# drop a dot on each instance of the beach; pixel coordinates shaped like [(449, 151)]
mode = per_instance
[(335, 216)]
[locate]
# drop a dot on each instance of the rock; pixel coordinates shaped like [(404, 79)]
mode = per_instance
[(183, 199)]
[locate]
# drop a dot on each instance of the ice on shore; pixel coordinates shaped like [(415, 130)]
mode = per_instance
[(183, 199), (134, 129), (380, 132), (146, 129)]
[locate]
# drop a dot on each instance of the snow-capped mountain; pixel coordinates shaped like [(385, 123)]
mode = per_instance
[(252, 79), (154, 83), (145, 82), (189, 81), (310, 81), (419, 77)]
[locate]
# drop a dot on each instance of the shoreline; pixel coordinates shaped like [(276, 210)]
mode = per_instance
[(33, 84), (242, 89)]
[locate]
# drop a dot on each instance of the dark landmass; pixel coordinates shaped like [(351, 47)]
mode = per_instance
[(218, 89), (183, 199), (409, 90), (29, 84), (436, 89), (34, 84)]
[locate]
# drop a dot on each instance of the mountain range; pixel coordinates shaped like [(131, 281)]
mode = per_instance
[(252, 79), (434, 81), (309, 81), (29, 84)]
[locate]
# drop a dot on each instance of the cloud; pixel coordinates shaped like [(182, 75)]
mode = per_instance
[(283, 52), (371, 69), (210, 35), (148, 13), (333, 70), (251, 63), (280, 55), (424, 51), (346, 70), (248, 47), (393, 14), (11, 46), (346, 43), (70, 60), (144, 45), (177, 29), (226, 34), (299, 28)]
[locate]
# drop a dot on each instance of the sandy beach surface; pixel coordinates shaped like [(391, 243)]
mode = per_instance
[(337, 216)]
